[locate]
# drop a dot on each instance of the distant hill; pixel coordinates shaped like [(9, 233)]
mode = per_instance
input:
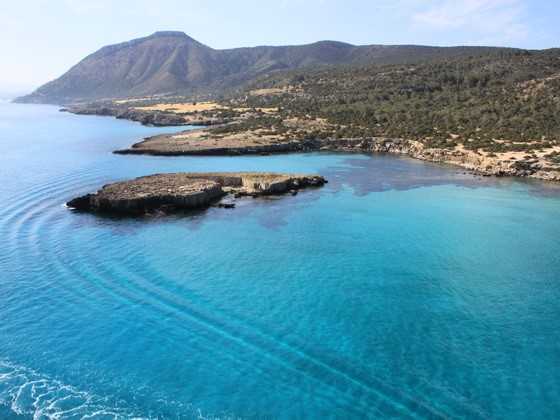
[(172, 63), (473, 100)]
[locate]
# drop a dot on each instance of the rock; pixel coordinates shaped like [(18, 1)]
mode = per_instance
[(80, 203), (168, 193)]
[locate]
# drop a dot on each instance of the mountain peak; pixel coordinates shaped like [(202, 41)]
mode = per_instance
[(171, 62), (167, 34)]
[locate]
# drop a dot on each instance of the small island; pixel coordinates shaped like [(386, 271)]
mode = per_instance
[(168, 193)]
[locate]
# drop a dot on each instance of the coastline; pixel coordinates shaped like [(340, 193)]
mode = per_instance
[(207, 143), (466, 159)]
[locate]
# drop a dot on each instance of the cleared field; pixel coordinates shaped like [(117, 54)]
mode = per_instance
[(274, 91), (180, 108)]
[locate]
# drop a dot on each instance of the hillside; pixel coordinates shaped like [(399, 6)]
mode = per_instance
[(172, 63), (505, 100)]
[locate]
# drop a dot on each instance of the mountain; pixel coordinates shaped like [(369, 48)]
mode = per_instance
[(169, 62)]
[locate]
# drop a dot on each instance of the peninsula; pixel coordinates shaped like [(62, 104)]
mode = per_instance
[(539, 164)]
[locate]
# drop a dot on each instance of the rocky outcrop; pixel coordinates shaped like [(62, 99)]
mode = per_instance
[(182, 191)]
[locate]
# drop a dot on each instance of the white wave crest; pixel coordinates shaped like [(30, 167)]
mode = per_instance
[(29, 393)]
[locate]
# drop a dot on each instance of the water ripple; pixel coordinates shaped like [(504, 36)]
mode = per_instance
[(37, 218)]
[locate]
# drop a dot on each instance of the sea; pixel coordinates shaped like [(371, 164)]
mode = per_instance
[(401, 289)]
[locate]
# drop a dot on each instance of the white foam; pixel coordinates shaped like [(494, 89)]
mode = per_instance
[(34, 395), (29, 393)]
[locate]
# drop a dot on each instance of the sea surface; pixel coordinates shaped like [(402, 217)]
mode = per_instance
[(402, 289)]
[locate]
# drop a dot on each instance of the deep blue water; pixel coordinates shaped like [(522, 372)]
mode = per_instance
[(402, 289)]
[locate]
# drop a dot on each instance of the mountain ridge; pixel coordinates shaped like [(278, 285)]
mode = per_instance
[(173, 63)]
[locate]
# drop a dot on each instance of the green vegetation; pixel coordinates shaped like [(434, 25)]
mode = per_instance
[(554, 157), (498, 101), (268, 125), (271, 123)]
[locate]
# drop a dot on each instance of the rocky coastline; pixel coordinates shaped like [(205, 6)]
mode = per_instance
[(205, 142), (480, 163), (170, 193)]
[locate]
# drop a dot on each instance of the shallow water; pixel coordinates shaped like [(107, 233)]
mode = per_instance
[(401, 289)]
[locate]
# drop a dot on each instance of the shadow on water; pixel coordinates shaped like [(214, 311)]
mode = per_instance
[(271, 212), (367, 174)]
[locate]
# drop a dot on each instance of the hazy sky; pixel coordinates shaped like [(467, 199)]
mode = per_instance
[(41, 39)]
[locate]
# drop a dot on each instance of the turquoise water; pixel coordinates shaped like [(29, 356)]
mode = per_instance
[(402, 289)]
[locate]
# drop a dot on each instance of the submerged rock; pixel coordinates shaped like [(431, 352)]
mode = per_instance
[(182, 191)]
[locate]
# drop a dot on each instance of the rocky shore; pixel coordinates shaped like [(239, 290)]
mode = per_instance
[(202, 142), (167, 193), (518, 164)]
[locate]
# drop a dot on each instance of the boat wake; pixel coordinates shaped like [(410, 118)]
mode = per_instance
[(29, 393)]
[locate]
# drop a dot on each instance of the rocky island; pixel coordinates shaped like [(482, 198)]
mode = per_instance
[(167, 193)]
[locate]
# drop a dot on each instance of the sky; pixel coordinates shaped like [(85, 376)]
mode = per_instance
[(41, 39)]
